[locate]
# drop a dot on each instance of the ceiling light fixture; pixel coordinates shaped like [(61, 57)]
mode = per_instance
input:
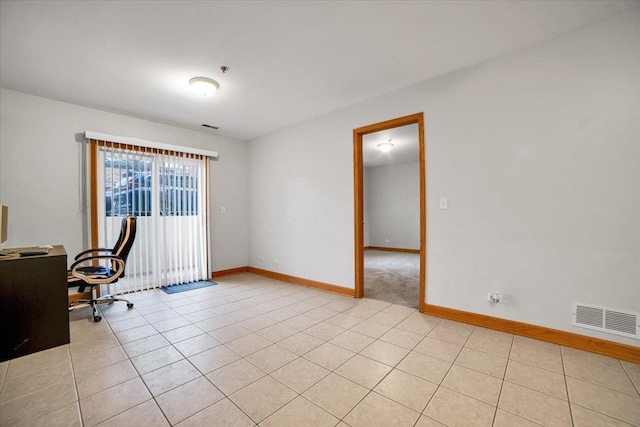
[(204, 86), (385, 146)]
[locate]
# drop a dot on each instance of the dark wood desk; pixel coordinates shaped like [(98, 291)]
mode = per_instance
[(33, 302)]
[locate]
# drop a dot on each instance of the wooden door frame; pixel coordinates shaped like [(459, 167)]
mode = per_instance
[(358, 182)]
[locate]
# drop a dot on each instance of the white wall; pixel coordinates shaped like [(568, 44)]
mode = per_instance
[(539, 155), (40, 173), (392, 206)]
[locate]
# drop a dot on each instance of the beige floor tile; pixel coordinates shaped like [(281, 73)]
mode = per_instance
[(230, 333), (135, 334), (92, 347), (344, 320), (540, 345), (482, 362), (364, 371), (534, 406), (234, 376), (387, 353), (182, 333), (457, 410), (537, 356), (402, 338), (300, 412), (336, 394), (329, 356), (283, 314), (406, 389), (301, 322), (325, 331), (146, 414), (507, 419), (498, 345), (592, 358), (195, 345), (277, 332), (438, 349), (271, 358), (428, 422), (3, 371), (262, 398), (376, 410), (155, 359), (300, 343), (213, 323), (67, 416), (248, 344), (83, 367), (450, 333), (388, 318), (112, 401), (256, 323), (538, 379), (300, 374), (105, 377), (223, 413), (145, 345), (584, 369), (214, 358), (170, 376), (15, 387), (38, 403), (473, 384), (321, 313), (199, 316), (630, 367), (180, 403), (635, 379), (604, 400), (419, 323), (123, 325), (425, 367), (352, 341), (42, 359), (583, 417), (371, 329)]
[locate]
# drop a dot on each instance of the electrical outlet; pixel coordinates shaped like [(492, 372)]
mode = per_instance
[(444, 203), (223, 209), (494, 297)]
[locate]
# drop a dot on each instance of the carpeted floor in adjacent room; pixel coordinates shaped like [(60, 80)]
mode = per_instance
[(392, 277)]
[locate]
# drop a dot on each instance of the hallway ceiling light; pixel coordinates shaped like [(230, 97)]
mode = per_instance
[(385, 146), (204, 86)]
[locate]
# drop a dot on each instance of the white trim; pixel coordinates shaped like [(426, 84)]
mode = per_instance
[(149, 144)]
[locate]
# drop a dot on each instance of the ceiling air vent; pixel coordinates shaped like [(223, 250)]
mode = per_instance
[(209, 126), (605, 319)]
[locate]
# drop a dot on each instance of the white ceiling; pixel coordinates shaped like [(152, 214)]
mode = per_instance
[(405, 146), (288, 61)]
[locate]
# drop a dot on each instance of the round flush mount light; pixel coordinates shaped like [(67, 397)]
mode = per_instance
[(385, 146), (204, 86)]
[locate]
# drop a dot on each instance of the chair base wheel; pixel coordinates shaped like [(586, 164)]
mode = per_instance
[(130, 304), (97, 318)]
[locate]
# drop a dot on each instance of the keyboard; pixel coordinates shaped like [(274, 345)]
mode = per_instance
[(34, 251)]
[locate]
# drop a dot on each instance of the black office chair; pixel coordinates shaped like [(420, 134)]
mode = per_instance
[(84, 274)]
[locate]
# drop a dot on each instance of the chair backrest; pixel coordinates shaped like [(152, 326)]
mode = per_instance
[(126, 238)]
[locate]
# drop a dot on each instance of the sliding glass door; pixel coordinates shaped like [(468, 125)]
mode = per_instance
[(167, 192)]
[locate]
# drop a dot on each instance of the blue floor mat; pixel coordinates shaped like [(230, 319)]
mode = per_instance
[(188, 286)]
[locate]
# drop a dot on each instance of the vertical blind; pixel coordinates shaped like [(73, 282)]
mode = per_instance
[(167, 192)]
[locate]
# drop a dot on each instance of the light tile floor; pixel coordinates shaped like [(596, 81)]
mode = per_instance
[(254, 351)]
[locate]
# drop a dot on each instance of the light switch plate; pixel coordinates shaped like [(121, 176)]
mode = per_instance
[(444, 203)]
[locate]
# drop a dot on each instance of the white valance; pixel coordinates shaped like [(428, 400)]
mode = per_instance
[(149, 144)]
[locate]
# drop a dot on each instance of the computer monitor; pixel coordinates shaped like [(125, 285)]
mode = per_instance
[(4, 220)]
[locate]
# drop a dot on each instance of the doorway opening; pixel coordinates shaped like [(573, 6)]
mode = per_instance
[(359, 202)]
